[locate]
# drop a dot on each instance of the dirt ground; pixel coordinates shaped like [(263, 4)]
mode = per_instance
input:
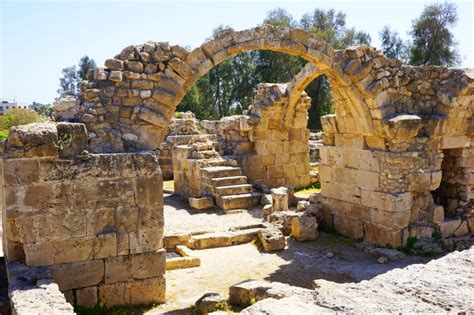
[(299, 264)]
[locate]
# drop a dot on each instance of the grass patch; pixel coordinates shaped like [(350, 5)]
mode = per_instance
[(308, 190), (168, 185), (3, 135)]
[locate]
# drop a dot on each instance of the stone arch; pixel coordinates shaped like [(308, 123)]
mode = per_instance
[(128, 104)]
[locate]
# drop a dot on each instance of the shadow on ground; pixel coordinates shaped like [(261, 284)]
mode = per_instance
[(309, 261)]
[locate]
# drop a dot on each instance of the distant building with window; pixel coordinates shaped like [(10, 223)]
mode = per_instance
[(6, 105)]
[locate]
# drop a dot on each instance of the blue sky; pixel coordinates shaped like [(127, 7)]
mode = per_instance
[(39, 38)]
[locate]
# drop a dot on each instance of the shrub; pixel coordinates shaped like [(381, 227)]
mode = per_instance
[(17, 117)]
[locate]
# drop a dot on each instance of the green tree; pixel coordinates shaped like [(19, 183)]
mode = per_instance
[(68, 82), (392, 45), (330, 26), (433, 42), (45, 110), (73, 75), (85, 64)]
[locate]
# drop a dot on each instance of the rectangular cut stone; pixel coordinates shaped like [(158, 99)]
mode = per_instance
[(73, 250), (146, 240), (349, 227), (111, 294), (78, 274), (387, 201), (87, 297), (117, 269), (148, 265), (456, 142), (20, 171), (383, 236), (147, 291)]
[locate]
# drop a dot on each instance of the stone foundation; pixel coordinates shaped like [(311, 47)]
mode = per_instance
[(95, 220)]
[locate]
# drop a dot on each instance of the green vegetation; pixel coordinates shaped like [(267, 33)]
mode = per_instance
[(17, 117), (432, 42), (168, 185), (227, 88), (436, 234), (308, 190), (73, 75)]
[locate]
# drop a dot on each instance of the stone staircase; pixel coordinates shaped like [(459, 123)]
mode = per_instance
[(222, 178)]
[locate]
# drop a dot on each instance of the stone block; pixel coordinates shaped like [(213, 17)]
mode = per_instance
[(149, 191), (72, 139), (271, 239), (72, 250), (201, 203), (436, 215), (421, 231), (386, 201), (209, 303), (78, 274), (148, 265), (146, 240), (383, 236), (449, 226), (280, 199), (375, 143), (147, 291), (282, 220), (111, 294), (20, 171), (32, 140), (87, 297), (304, 228), (455, 142), (211, 240), (349, 227)]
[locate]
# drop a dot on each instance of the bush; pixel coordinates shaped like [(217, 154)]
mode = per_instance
[(17, 117)]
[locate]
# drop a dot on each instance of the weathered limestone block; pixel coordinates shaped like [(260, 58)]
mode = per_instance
[(201, 203), (280, 199), (72, 139), (66, 108), (78, 274), (145, 291), (87, 297), (282, 220), (304, 228), (209, 303), (32, 140), (271, 239)]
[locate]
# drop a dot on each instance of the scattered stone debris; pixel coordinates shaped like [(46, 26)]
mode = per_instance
[(209, 303), (271, 239), (382, 260)]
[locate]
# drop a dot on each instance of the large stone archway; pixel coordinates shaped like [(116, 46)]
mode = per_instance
[(128, 104)]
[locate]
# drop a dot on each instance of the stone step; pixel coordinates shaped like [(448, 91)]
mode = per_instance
[(244, 201), (221, 171), (229, 180), (233, 189), (204, 154)]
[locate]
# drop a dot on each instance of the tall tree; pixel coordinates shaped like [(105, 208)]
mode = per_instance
[(392, 45), (433, 42), (85, 64), (73, 75), (68, 82)]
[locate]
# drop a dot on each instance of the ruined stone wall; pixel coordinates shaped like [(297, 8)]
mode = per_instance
[(94, 220), (267, 152), (183, 124)]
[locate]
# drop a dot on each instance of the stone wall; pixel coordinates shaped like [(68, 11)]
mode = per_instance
[(181, 127), (95, 220), (267, 152)]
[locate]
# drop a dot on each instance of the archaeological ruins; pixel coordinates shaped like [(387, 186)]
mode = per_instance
[(82, 209)]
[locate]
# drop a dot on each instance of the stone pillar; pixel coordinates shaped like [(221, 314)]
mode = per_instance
[(95, 221), (280, 199)]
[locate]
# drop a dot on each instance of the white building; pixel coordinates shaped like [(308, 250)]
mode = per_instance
[(6, 105)]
